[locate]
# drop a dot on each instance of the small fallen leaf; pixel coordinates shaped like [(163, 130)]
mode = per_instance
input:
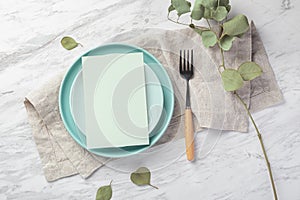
[(231, 79), (104, 192), (141, 176), (68, 43), (249, 70)]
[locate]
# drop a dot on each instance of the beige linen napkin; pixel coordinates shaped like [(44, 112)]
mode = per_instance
[(212, 107)]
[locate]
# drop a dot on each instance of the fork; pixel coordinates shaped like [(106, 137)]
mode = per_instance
[(186, 69)]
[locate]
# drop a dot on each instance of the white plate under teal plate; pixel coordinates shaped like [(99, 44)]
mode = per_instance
[(157, 68), (154, 96)]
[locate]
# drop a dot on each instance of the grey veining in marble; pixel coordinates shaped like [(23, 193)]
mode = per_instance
[(30, 53)]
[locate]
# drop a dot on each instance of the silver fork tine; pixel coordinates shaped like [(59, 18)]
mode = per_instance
[(188, 61), (192, 61), (180, 62), (184, 61)]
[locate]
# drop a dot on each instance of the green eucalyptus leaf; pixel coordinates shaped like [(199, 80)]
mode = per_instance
[(141, 176), (236, 26), (220, 13), (209, 38), (209, 3), (231, 79), (171, 8), (198, 10), (104, 192), (68, 43), (208, 13), (249, 70), (226, 42), (181, 6)]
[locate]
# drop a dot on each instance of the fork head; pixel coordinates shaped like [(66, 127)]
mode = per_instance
[(186, 65)]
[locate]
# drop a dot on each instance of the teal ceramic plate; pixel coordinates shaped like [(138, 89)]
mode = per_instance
[(157, 68)]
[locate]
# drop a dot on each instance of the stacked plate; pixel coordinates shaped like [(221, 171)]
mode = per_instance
[(159, 99)]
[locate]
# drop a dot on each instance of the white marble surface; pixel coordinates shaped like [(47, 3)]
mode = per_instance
[(30, 53)]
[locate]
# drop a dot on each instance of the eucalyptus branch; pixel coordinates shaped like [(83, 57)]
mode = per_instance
[(208, 24), (184, 24), (223, 58), (233, 79), (261, 144)]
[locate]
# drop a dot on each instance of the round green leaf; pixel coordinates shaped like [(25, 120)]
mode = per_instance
[(141, 176), (231, 79), (68, 43), (226, 42), (236, 26), (209, 38), (198, 10), (181, 6), (104, 193), (249, 70), (220, 13)]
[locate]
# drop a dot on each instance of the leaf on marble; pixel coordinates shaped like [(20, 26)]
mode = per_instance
[(104, 192), (236, 26), (209, 38), (249, 70), (142, 176), (69, 43), (232, 80)]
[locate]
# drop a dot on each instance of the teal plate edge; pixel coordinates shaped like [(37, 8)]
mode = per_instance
[(64, 97)]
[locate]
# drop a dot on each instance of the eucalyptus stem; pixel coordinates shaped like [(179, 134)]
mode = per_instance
[(261, 144), (184, 24), (153, 186), (208, 23), (223, 58)]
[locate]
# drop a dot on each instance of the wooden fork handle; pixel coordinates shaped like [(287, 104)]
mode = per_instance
[(189, 133)]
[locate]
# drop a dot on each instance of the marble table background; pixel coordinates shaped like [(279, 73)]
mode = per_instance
[(30, 53)]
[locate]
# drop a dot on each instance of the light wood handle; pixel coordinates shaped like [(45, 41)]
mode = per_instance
[(189, 134)]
